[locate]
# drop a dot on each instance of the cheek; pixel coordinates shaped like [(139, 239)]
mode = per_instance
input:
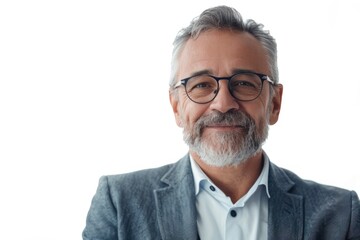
[(191, 112), (265, 103), (258, 111), (264, 100)]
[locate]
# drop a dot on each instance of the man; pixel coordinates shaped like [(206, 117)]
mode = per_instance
[(224, 92)]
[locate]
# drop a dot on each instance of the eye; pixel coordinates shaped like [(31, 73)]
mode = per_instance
[(202, 85), (246, 82), (243, 84)]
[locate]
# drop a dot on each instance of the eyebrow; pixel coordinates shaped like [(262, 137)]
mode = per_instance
[(241, 70), (209, 72), (201, 72)]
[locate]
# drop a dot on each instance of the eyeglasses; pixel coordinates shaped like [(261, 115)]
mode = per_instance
[(243, 86)]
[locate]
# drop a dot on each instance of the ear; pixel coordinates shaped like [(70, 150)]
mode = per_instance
[(174, 101), (276, 104)]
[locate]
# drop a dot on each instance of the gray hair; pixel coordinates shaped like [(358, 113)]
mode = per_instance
[(223, 17)]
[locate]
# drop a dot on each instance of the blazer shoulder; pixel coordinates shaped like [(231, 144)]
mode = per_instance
[(147, 180), (126, 201), (310, 187), (141, 178), (289, 181), (314, 194), (325, 206)]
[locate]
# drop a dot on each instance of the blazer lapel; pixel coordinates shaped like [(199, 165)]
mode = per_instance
[(175, 204), (285, 209)]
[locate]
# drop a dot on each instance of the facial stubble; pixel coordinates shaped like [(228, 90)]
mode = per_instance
[(226, 148)]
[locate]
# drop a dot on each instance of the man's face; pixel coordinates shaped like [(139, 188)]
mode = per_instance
[(225, 131)]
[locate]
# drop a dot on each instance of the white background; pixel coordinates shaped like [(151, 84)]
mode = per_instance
[(70, 110)]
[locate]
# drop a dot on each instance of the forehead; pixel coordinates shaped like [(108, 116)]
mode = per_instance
[(221, 52)]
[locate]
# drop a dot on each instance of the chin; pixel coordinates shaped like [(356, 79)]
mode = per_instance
[(225, 157)]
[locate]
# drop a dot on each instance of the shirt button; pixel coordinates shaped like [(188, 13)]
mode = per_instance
[(233, 213), (212, 188)]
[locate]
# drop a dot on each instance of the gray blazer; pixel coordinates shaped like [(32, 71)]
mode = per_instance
[(160, 204)]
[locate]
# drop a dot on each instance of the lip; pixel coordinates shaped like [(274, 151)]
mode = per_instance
[(224, 127)]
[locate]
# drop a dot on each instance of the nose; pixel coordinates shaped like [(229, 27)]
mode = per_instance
[(224, 101)]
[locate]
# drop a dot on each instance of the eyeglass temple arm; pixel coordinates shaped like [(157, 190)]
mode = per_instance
[(269, 80)]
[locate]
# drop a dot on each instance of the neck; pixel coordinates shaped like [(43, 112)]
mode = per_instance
[(234, 181)]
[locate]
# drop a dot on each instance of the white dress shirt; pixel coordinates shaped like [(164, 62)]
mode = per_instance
[(218, 218)]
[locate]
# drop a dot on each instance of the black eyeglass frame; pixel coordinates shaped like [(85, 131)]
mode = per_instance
[(262, 77)]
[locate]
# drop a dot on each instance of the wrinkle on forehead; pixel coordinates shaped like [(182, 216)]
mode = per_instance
[(220, 52)]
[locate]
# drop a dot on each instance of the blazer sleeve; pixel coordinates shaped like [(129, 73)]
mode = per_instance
[(101, 221), (354, 230)]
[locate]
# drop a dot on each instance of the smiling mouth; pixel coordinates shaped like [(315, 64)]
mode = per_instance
[(220, 126)]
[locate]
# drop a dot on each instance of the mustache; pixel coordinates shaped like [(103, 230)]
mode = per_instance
[(230, 118)]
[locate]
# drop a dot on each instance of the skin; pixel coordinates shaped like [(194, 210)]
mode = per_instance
[(220, 53)]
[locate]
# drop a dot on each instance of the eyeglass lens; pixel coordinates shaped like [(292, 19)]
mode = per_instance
[(243, 86)]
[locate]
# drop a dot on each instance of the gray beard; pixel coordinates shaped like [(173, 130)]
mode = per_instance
[(227, 148)]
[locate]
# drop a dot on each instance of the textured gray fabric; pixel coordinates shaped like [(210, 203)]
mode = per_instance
[(160, 204)]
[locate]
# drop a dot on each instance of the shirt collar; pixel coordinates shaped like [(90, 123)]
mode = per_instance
[(199, 175)]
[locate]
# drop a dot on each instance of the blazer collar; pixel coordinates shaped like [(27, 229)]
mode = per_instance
[(175, 203), (176, 210), (285, 208)]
